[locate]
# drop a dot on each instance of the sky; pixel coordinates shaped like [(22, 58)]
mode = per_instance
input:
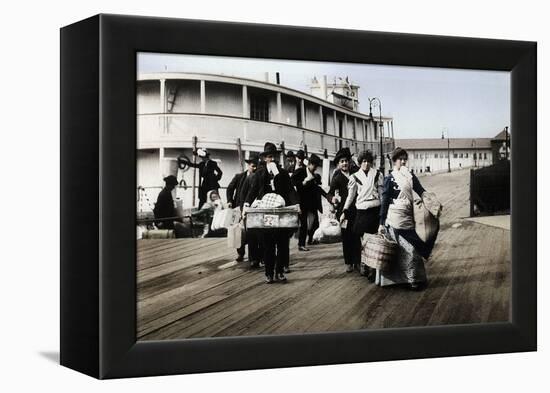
[(423, 101)]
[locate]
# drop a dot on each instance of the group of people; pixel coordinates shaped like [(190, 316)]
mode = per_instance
[(369, 202), (364, 200)]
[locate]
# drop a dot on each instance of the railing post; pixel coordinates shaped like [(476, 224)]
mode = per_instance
[(203, 96)]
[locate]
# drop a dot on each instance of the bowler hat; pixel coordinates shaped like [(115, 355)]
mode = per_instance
[(171, 180), (253, 159), (314, 159), (301, 154), (342, 153), (269, 148), (290, 154)]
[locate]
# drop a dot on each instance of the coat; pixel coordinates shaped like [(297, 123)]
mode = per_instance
[(234, 189), (309, 193), (261, 185), (164, 208), (210, 174), (339, 183)]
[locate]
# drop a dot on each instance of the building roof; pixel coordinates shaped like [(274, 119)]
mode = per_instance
[(441, 144), (501, 136)]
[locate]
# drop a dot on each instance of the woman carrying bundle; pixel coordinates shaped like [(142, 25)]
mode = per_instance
[(397, 221)]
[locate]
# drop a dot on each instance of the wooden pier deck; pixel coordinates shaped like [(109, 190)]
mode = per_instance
[(192, 288)]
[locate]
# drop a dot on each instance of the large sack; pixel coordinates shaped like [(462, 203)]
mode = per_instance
[(328, 232), (330, 227), (236, 235), (225, 218), (432, 203), (425, 223)]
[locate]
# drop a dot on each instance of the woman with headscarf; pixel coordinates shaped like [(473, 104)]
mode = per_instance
[(206, 213), (397, 221)]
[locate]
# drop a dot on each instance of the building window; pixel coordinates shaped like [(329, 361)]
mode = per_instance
[(484, 156), (475, 156), (461, 155), (466, 155), (455, 155), (299, 115), (259, 108), (436, 155)]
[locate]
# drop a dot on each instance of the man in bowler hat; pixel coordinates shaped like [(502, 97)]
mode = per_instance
[(272, 178)]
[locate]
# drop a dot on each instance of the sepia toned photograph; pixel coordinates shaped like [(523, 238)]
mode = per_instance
[(288, 197)]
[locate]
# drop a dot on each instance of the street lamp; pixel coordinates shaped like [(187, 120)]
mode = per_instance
[(448, 148), (474, 153), (507, 141), (377, 101)]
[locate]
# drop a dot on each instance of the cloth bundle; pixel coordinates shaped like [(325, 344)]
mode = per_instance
[(236, 235), (426, 216), (269, 201), (328, 232)]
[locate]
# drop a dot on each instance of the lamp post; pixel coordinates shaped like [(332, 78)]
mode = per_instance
[(448, 148), (474, 153), (377, 101), (507, 141)]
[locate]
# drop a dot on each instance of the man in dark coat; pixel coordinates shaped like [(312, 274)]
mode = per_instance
[(209, 173), (337, 195), (308, 191), (271, 177), (165, 209), (235, 198), (290, 164)]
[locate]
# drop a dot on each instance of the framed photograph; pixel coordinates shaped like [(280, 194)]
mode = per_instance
[(241, 196)]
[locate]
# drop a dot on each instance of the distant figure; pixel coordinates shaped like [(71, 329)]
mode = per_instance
[(209, 173), (165, 209), (290, 164), (235, 198), (206, 214), (308, 190), (300, 158)]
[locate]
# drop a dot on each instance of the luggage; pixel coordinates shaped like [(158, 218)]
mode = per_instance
[(378, 251), (272, 218), (426, 216), (224, 218), (159, 234), (236, 235)]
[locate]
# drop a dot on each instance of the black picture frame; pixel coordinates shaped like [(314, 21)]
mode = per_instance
[(98, 159)]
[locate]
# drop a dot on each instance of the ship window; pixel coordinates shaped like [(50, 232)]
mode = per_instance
[(259, 108)]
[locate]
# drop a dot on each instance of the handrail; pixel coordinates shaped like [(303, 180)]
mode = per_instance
[(315, 132)]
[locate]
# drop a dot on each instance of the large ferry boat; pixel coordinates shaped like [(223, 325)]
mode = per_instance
[(233, 117)]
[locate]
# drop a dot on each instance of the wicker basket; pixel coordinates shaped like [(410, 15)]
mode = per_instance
[(378, 251)]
